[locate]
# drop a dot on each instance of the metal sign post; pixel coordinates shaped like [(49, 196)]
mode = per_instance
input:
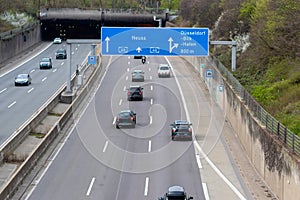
[(233, 54)]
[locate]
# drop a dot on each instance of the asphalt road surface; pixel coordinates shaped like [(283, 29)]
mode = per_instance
[(18, 104), (98, 161)]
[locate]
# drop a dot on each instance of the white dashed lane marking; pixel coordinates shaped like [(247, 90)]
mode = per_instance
[(3, 90), (30, 90), (10, 105)]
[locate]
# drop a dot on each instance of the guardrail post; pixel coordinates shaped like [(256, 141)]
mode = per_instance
[(278, 130), (285, 134)]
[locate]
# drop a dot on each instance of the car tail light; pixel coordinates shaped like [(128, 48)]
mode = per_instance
[(173, 130), (131, 118), (118, 119), (190, 129), (128, 93), (140, 92)]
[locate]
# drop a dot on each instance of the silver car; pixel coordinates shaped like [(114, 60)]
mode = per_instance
[(57, 41), (46, 63), (126, 118), (137, 76), (164, 70)]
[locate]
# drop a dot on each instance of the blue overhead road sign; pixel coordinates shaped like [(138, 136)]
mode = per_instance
[(155, 41)]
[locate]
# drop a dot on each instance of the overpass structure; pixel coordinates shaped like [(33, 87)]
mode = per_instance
[(86, 24)]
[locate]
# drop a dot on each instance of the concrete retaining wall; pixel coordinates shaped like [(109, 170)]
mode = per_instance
[(14, 42), (278, 167)]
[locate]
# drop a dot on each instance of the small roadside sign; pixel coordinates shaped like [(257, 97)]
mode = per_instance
[(209, 73), (92, 60)]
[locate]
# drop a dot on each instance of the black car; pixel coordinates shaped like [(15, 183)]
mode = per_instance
[(135, 93), (181, 129), (61, 54), (46, 63), (176, 193), (126, 118)]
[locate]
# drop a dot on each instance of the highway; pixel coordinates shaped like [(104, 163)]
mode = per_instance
[(98, 161), (19, 103)]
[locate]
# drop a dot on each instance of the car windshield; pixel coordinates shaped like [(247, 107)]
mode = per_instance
[(45, 59), (124, 114), (22, 76)]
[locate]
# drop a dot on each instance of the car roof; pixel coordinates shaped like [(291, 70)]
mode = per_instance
[(137, 70), (134, 86), (181, 122), (176, 190), (125, 111), (23, 74)]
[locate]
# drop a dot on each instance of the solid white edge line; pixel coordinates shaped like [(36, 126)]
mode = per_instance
[(67, 137), (222, 176), (198, 161), (205, 191), (90, 186), (27, 60), (105, 147), (146, 186), (114, 121), (234, 189), (149, 146)]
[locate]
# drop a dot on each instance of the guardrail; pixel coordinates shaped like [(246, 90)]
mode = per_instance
[(273, 126), (7, 190)]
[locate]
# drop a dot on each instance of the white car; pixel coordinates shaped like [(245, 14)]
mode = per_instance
[(164, 70), (57, 41)]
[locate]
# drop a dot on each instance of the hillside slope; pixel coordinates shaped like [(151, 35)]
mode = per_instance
[(268, 35)]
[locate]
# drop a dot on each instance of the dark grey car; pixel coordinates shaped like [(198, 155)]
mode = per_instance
[(181, 130), (137, 76), (126, 118), (61, 54), (176, 193), (135, 92), (46, 63)]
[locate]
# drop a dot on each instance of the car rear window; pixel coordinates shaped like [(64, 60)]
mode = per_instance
[(124, 114), (164, 68)]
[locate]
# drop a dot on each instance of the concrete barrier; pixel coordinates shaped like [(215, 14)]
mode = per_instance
[(279, 167), (15, 41), (7, 190)]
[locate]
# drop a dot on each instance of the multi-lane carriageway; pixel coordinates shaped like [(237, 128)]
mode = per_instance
[(98, 161)]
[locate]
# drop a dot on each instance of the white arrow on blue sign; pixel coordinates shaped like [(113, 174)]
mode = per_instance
[(155, 41)]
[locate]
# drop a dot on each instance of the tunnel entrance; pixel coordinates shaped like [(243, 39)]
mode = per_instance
[(86, 24)]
